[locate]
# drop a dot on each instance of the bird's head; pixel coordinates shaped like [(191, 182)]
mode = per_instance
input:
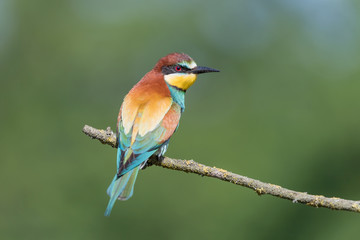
[(180, 70)]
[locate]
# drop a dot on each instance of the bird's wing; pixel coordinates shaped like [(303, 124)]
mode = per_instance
[(163, 131), (152, 125)]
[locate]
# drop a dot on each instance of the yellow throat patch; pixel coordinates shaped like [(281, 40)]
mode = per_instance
[(181, 80)]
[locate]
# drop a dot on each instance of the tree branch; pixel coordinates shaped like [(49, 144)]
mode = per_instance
[(190, 166)]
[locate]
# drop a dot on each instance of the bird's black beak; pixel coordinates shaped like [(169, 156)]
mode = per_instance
[(199, 70)]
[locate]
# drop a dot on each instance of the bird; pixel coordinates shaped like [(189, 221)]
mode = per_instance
[(148, 117)]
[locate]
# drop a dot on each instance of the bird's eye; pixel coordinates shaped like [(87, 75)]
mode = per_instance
[(178, 68)]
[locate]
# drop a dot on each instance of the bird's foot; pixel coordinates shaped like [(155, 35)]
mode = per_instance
[(151, 161), (160, 157), (145, 165)]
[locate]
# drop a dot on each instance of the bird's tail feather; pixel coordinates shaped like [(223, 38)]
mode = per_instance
[(129, 188), (121, 188)]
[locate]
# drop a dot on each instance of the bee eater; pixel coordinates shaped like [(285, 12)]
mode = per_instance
[(148, 117)]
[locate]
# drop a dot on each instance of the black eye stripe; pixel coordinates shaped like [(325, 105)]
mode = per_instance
[(172, 69), (184, 68)]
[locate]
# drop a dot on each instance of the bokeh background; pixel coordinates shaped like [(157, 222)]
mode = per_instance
[(284, 109)]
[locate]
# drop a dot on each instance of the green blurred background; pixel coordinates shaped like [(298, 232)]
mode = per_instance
[(284, 109)]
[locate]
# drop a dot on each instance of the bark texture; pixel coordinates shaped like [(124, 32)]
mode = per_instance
[(108, 137)]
